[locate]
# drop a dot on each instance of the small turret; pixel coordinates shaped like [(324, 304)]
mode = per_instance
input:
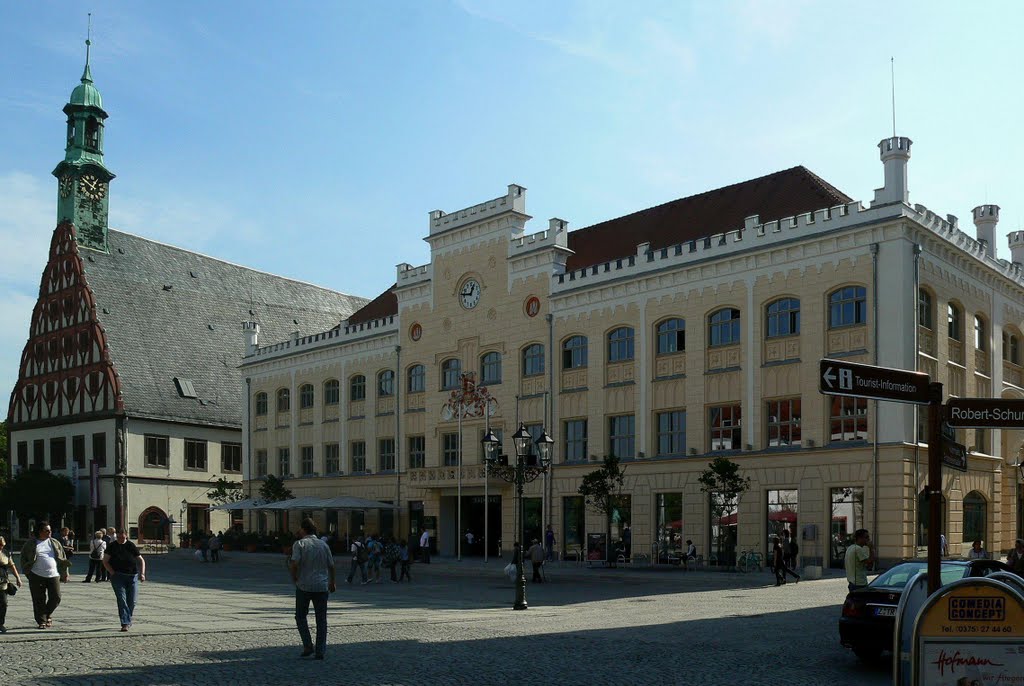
[(1016, 240), (251, 330), (985, 219), (895, 153)]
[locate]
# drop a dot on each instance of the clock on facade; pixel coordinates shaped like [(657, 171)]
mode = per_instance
[(469, 294), (66, 185), (91, 187)]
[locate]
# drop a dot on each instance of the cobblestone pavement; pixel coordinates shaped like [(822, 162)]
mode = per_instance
[(232, 623)]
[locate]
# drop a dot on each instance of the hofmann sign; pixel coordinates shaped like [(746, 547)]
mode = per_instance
[(985, 413), (875, 383)]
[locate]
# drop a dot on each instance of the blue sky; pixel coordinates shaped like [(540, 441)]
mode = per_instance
[(311, 139)]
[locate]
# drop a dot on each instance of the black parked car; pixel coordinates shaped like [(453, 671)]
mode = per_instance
[(869, 614)]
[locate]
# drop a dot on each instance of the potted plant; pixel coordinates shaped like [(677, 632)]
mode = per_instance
[(250, 540), (229, 540), (185, 539)]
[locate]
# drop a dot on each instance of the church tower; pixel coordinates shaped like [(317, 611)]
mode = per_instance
[(82, 179)]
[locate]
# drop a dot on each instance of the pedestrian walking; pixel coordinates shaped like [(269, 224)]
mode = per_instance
[(109, 536), (359, 557), (376, 553), (549, 544), (65, 539), (690, 554), (46, 566), (96, 549), (779, 564), (1015, 560), (425, 546), (312, 570), (6, 568), (404, 559), (127, 568), (788, 558), (859, 555), (536, 553), (215, 546), (391, 558)]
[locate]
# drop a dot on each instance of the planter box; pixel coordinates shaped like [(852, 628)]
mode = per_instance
[(251, 547)]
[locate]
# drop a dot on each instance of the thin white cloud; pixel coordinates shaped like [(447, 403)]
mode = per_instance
[(15, 314), (26, 224)]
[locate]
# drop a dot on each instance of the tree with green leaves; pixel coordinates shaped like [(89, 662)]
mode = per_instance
[(225, 492), (602, 491), (38, 494), (724, 486), (273, 489)]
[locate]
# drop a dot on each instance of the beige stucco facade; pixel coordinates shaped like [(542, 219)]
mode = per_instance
[(854, 273)]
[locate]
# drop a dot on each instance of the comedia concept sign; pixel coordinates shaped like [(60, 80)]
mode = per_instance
[(985, 413)]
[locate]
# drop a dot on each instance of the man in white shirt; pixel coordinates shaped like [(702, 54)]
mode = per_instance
[(44, 562), (425, 546), (312, 569)]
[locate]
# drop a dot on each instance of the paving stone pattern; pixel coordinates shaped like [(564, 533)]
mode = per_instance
[(233, 623)]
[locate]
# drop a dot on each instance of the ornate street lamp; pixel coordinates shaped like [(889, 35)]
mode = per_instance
[(522, 472)]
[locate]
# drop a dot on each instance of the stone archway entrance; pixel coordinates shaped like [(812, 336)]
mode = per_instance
[(153, 525)]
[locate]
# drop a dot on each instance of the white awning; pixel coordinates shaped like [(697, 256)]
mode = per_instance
[(342, 502), (249, 504)]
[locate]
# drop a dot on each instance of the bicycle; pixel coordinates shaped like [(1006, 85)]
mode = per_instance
[(749, 561)]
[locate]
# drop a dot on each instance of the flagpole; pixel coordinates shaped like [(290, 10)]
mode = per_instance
[(487, 500), (458, 527)]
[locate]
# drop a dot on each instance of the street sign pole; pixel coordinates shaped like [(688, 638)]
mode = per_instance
[(935, 418)]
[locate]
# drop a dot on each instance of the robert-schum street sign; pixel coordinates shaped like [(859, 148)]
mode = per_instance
[(875, 383), (985, 413)]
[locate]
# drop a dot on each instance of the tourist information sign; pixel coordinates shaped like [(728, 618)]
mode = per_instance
[(985, 413), (875, 383)]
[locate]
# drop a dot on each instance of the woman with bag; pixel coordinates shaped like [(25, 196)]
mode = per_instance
[(96, 549), (7, 587), (46, 567)]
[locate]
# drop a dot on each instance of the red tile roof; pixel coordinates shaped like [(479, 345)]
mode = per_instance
[(384, 305), (782, 194)]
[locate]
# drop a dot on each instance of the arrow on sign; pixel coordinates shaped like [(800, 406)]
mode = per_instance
[(829, 377)]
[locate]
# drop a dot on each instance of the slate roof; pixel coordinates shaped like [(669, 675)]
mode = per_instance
[(170, 313), (782, 194), (382, 306)]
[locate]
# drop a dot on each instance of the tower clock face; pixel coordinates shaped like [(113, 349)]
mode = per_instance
[(66, 185), (469, 294), (91, 187)]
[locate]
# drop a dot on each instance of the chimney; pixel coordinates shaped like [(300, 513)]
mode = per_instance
[(895, 153), (985, 219), (1016, 239), (252, 337)]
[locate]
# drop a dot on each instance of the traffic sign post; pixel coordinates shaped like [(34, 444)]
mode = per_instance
[(985, 413)]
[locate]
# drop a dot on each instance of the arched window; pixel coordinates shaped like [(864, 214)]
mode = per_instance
[(925, 311), (490, 368), (417, 378), (386, 383), (357, 388), (847, 306), (451, 369), (724, 327), (332, 392), (574, 352), (284, 400), (783, 318), (533, 360), (975, 517), (620, 344), (261, 404), (1011, 347), (955, 319), (671, 336), (980, 334), (306, 396)]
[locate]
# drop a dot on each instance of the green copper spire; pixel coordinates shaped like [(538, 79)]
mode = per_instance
[(83, 179)]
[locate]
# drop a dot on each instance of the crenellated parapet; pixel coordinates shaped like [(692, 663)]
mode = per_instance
[(408, 275), (337, 336), (514, 200), (555, 236)]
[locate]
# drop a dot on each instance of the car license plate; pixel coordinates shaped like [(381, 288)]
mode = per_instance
[(885, 611)]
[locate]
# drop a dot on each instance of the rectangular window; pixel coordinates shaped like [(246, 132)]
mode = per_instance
[(783, 422), (99, 449), (261, 463), (306, 397), (490, 368), (981, 441), (23, 454), (58, 453), (358, 457), (386, 454), (231, 457), (574, 447), (672, 433), (450, 449), (332, 393), (306, 459), (622, 435), (332, 458), (574, 524), (284, 462), (417, 452), (78, 450), (39, 454), (156, 450), (417, 378), (848, 419), (724, 428), (195, 455), (847, 517)]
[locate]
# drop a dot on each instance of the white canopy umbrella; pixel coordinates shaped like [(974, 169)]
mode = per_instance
[(248, 504), (350, 502), (304, 503)]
